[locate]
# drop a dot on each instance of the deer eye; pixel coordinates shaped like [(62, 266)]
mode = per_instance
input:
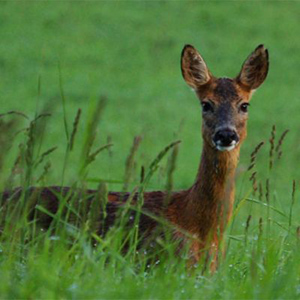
[(206, 107), (244, 107)]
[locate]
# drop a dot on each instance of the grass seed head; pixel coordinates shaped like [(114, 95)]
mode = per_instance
[(272, 146), (75, 128), (254, 154)]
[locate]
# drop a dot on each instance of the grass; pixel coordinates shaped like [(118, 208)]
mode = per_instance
[(128, 53)]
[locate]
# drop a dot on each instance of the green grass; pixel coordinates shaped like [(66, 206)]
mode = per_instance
[(129, 52)]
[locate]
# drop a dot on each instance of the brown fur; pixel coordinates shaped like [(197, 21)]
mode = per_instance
[(204, 209)]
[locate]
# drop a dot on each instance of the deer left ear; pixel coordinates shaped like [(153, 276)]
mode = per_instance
[(255, 69)]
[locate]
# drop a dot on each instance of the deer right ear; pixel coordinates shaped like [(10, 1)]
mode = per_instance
[(193, 67), (255, 69)]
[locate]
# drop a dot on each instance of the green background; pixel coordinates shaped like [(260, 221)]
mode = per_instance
[(130, 52)]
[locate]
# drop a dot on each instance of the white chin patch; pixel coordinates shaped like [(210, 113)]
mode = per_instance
[(227, 148)]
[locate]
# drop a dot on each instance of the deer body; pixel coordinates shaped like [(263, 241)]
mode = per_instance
[(204, 209)]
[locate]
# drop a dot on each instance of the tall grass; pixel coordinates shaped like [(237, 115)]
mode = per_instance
[(73, 260)]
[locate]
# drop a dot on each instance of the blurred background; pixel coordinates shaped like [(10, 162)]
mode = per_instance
[(129, 52)]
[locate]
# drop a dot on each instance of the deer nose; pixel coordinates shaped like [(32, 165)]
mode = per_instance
[(225, 138)]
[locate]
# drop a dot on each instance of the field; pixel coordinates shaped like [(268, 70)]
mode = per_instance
[(57, 57)]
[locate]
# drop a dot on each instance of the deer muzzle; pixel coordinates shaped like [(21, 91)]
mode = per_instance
[(225, 139)]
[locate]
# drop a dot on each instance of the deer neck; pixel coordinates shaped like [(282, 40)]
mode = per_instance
[(215, 174), (210, 199)]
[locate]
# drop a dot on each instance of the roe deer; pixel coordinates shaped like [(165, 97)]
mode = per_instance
[(204, 209)]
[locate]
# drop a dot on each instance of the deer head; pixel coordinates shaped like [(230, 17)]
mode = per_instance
[(224, 101)]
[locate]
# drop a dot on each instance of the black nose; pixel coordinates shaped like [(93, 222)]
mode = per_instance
[(225, 137)]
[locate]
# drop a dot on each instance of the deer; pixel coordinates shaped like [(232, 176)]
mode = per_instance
[(203, 210)]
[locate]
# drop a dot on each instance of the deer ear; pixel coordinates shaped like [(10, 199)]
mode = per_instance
[(193, 67), (255, 69)]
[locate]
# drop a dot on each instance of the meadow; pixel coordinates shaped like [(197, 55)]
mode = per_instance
[(58, 57)]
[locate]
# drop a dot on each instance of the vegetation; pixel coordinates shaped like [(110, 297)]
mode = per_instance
[(57, 59)]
